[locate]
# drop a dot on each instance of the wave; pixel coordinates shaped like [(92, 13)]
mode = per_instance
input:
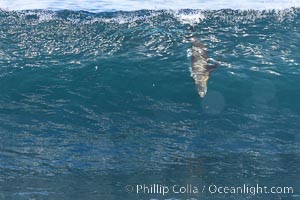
[(87, 81)]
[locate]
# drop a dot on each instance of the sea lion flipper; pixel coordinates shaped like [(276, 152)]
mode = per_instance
[(215, 65)]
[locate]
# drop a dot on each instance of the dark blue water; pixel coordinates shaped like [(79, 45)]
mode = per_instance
[(91, 103)]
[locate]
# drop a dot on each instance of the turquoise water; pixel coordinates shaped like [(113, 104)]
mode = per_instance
[(93, 102)]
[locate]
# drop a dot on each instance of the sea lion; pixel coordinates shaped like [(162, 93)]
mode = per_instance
[(200, 66)]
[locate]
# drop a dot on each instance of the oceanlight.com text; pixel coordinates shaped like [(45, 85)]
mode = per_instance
[(210, 189)]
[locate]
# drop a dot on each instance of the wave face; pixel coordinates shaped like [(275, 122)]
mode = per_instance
[(91, 102)]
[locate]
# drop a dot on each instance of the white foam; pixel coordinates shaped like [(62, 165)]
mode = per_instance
[(129, 5), (191, 18)]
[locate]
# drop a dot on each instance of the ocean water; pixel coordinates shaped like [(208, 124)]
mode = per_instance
[(93, 105)]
